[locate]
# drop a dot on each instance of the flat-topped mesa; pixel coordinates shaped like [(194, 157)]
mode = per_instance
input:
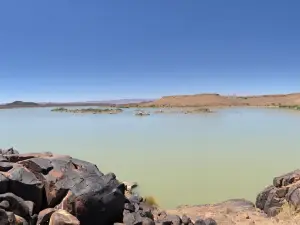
[(216, 100), (89, 110)]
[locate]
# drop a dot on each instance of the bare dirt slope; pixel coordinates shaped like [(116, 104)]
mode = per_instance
[(215, 100), (236, 212)]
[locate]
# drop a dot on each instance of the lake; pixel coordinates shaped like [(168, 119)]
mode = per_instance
[(178, 159)]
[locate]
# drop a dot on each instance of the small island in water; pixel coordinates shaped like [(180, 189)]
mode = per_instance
[(294, 107), (89, 110)]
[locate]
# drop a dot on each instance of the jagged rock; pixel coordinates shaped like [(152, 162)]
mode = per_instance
[(6, 166), (130, 185), (137, 218), (38, 165), (44, 216), (135, 198), (62, 217), (4, 205), (16, 205), (186, 220), (21, 221), (4, 220), (171, 220), (9, 151), (286, 179), (20, 157), (25, 184), (3, 159), (36, 181), (130, 207), (285, 189), (90, 202)]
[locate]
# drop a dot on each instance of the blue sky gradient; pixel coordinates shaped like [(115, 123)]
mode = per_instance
[(76, 50)]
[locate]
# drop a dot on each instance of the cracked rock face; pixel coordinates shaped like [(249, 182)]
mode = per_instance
[(285, 189), (41, 187), (44, 188)]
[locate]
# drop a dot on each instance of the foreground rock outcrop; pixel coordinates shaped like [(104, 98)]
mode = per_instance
[(45, 188), (41, 187), (284, 190)]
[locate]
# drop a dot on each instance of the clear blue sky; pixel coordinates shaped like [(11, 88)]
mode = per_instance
[(69, 50)]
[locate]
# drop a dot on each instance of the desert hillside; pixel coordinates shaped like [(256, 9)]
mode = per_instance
[(219, 100)]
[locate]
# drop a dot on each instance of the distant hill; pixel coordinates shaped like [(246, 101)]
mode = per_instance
[(21, 104), (205, 100), (125, 101)]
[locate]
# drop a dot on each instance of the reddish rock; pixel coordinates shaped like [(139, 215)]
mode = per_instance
[(62, 217), (44, 216)]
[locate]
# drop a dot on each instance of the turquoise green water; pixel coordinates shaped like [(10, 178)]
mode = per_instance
[(179, 159)]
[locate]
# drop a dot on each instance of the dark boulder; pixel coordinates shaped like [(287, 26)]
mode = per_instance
[(3, 159), (210, 221), (4, 220), (6, 166), (137, 218), (25, 184), (35, 187), (200, 222), (186, 220), (38, 165), (4, 181), (171, 220), (9, 151), (285, 190), (11, 202)]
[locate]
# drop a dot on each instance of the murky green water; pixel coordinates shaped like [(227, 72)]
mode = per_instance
[(179, 159)]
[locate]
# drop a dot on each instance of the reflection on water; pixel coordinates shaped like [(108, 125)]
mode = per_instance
[(180, 159)]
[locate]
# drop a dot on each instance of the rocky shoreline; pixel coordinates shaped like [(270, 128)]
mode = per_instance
[(46, 188)]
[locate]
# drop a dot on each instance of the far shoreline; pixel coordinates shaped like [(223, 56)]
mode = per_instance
[(210, 101)]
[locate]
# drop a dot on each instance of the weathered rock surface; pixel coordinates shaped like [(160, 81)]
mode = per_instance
[(62, 217), (36, 187), (44, 188), (138, 212), (284, 190)]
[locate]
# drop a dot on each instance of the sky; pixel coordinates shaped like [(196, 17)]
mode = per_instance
[(75, 50)]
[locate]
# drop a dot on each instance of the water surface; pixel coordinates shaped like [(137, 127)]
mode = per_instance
[(179, 159)]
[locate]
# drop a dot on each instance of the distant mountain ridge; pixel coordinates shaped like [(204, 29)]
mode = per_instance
[(23, 104), (123, 101)]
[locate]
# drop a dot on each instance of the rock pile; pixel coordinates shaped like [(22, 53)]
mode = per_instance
[(138, 212), (284, 190), (45, 188)]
